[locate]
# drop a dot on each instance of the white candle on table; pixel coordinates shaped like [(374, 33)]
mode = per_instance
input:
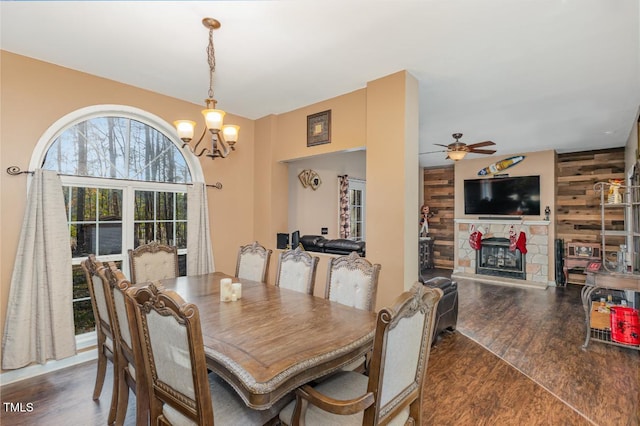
[(237, 289), (225, 289)]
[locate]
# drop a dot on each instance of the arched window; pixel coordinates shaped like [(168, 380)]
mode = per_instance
[(125, 181)]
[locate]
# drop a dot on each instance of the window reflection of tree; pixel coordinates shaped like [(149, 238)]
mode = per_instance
[(113, 147)]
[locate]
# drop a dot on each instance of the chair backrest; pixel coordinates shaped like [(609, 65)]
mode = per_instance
[(400, 354), (352, 280), (153, 261), (297, 270), (123, 321), (173, 352), (253, 262), (130, 363), (98, 290)]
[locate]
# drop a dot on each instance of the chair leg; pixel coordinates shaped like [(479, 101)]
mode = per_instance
[(142, 409), (123, 398), (101, 373), (114, 393)]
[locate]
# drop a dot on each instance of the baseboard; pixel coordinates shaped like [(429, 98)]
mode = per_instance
[(12, 376), (489, 279)]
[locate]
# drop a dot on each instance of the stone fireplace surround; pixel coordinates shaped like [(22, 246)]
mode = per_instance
[(537, 257)]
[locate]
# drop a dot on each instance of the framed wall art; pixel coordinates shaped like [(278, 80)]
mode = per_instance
[(319, 128)]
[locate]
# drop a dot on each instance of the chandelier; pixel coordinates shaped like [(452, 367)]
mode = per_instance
[(223, 137)]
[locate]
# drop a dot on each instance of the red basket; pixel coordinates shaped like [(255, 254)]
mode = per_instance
[(625, 325)]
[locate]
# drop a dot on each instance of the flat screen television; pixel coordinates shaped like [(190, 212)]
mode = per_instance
[(505, 196)]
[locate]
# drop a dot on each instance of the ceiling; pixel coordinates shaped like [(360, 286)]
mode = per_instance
[(527, 74)]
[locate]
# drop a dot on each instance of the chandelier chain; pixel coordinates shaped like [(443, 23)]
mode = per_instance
[(211, 56)]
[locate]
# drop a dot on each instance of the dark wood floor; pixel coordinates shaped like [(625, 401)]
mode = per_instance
[(530, 367), (516, 359)]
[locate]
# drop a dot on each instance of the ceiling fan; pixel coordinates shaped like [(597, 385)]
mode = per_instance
[(457, 150)]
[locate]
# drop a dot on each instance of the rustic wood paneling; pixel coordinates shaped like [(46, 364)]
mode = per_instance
[(439, 196), (578, 204)]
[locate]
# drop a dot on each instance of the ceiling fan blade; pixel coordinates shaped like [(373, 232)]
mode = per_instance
[(439, 144), (431, 152), (483, 151), (480, 144)]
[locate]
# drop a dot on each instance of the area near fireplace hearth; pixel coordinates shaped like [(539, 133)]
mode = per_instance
[(494, 262)]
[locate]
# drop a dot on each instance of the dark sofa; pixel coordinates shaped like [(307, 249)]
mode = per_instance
[(320, 244)]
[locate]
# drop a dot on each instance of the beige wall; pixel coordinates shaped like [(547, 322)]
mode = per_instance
[(348, 127), (309, 210), (384, 119), (541, 163), (392, 182), (35, 94)]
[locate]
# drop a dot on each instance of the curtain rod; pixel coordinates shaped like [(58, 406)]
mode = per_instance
[(15, 171)]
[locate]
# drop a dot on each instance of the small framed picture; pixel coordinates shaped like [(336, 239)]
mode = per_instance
[(319, 128)]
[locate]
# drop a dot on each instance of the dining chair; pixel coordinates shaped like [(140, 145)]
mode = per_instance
[(253, 262), (129, 360), (106, 341), (297, 270), (180, 390), (353, 281), (393, 391), (153, 261)]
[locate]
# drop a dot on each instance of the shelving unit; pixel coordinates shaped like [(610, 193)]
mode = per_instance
[(620, 233), (425, 253), (620, 226)]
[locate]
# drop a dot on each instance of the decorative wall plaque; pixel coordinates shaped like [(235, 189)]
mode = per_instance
[(319, 128)]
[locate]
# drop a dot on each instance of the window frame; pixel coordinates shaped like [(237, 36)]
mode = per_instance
[(358, 185), (128, 186)]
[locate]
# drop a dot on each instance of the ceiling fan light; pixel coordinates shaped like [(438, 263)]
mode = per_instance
[(457, 155)]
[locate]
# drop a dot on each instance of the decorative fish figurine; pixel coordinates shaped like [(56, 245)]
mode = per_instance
[(501, 165)]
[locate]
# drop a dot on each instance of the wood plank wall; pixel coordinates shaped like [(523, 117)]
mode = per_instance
[(577, 212), (578, 204), (439, 196)]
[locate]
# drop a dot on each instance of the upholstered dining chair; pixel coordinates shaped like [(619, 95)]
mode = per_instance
[(297, 270), (180, 391), (153, 261), (393, 391), (253, 262), (101, 304), (128, 364), (352, 280)]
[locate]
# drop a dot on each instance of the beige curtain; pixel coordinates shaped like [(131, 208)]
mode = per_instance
[(39, 318), (199, 252)]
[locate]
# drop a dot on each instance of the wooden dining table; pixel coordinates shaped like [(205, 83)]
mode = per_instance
[(273, 340)]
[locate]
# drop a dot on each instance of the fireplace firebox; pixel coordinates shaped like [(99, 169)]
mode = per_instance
[(495, 258)]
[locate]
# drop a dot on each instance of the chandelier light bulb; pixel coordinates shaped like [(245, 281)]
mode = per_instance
[(230, 133), (214, 119), (185, 129)]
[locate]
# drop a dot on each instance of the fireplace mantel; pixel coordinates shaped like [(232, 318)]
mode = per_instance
[(503, 221)]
